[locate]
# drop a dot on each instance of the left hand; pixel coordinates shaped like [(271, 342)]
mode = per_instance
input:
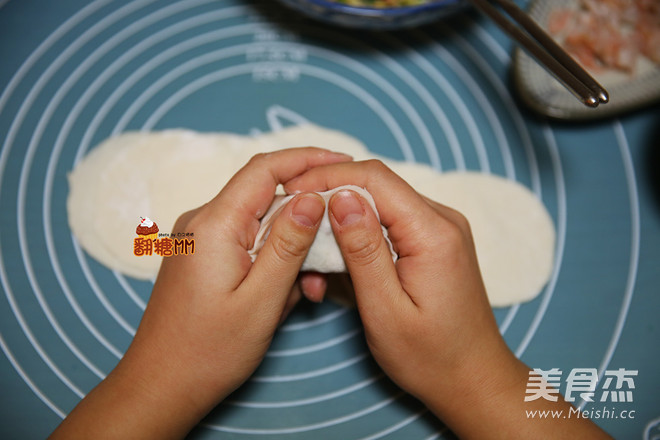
[(211, 315)]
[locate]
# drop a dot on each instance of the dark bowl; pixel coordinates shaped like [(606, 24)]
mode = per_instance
[(377, 18)]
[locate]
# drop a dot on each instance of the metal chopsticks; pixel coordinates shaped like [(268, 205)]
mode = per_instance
[(545, 50)]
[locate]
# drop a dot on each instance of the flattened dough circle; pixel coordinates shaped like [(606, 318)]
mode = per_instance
[(163, 174)]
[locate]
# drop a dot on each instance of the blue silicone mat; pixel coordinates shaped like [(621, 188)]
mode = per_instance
[(74, 72)]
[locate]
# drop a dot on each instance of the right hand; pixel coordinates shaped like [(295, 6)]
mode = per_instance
[(426, 315), (427, 319)]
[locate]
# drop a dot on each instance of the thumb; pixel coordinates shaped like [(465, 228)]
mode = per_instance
[(366, 254), (276, 268)]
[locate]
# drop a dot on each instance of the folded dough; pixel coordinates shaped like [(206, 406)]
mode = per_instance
[(324, 255)]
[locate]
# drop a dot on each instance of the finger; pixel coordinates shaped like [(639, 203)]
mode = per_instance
[(249, 193), (450, 214), (368, 259), (401, 209), (280, 259), (294, 297), (313, 286)]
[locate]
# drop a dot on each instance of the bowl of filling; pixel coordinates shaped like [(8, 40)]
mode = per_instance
[(377, 14)]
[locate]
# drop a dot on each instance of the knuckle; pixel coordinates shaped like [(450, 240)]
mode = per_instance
[(258, 159), (450, 235), (362, 251), (188, 218), (452, 232), (289, 247), (376, 166), (461, 222), (203, 223), (183, 220), (454, 240)]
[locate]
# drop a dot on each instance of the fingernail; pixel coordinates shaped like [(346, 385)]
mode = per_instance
[(308, 210), (346, 208), (313, 288)]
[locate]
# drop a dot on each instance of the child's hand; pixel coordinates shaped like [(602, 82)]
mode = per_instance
[(422, 312), (215, 311), (427, 319), (211, 315)]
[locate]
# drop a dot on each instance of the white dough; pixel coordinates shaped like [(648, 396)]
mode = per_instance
[(160, 175), (155, 175), (324, 255), (513, 233)]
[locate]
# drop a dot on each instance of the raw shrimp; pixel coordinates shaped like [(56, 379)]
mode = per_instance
[(609, 34)]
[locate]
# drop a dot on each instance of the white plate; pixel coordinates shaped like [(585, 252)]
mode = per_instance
[(544, 94)]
